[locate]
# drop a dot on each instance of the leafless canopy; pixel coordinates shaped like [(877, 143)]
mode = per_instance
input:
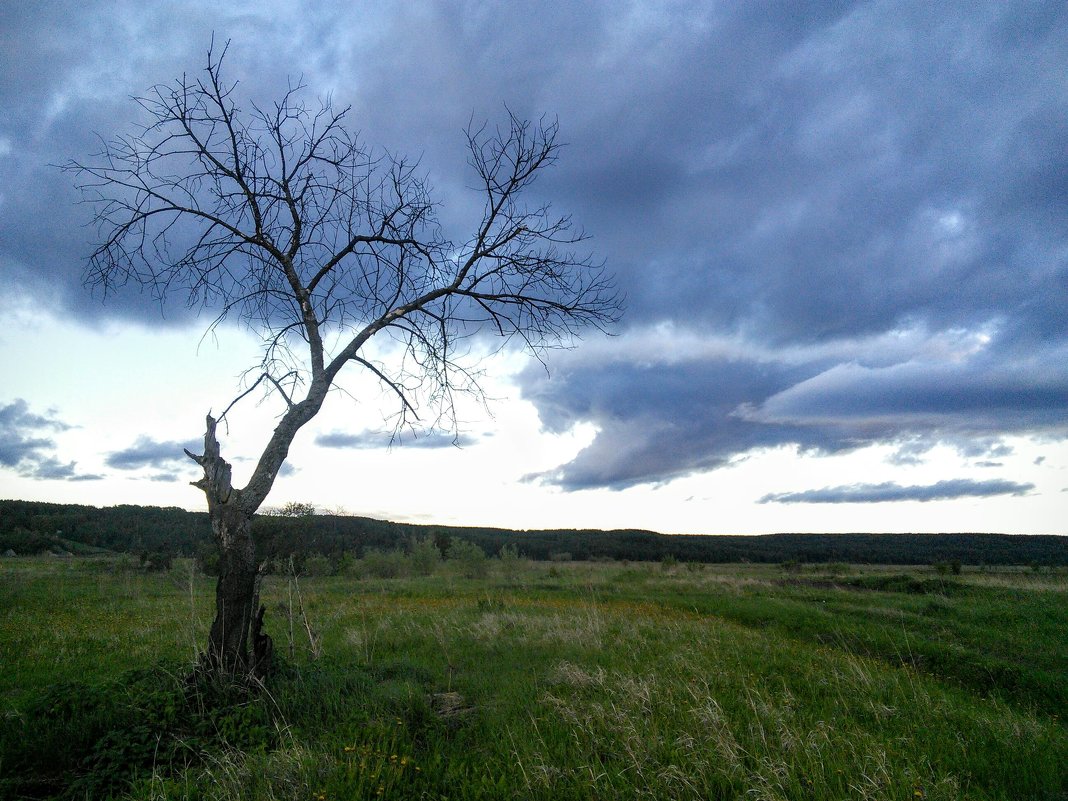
[(281, 217), (278, 216)]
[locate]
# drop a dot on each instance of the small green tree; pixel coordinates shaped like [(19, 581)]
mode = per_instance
[(469, 559), (156, 561), (383, 564), (424, 556), (442, 540), (347, 564), (510, 562), (317, 565), (297, 509)]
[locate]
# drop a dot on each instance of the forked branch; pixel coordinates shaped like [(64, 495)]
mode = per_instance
[(277, 215)]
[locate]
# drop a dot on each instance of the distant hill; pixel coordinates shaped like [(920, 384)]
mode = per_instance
[(32, 527)]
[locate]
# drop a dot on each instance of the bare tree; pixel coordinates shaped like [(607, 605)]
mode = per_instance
[(280, 217)]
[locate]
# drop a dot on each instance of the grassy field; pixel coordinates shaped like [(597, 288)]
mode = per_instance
[(543, 681)]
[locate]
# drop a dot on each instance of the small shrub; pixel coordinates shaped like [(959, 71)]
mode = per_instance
[(317, 565), (469, 559), (125, 564), (383, 564), (510, 562), (560, 556), (668, 561), (945, 568), (207, 558), (79, 740), (423, 556), (347, 564), (156, 561), (183, 570)]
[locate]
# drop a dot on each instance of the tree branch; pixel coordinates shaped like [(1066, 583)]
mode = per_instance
[(278, 216)]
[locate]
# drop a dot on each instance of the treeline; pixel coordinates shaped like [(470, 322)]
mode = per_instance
[(30, 527)]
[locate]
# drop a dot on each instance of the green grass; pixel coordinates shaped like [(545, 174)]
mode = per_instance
[(564, 681)]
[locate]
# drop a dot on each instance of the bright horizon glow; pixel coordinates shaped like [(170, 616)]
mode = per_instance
[(124, 381)]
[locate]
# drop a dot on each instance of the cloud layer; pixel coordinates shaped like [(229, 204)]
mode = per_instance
[(374, 440), (889, 491), (167, 458), (835, 227), (27, 447)]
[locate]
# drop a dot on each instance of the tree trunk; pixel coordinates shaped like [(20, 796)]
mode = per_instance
[(237, 591), (231, 511)]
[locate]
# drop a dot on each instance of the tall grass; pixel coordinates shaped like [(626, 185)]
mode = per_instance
[(548, 682)]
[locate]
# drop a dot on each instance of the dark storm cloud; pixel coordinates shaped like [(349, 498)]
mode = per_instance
[(26, 447), (148, 452), (50, 467), (803, 182), (659, 416), (164, 478), (68, 73), (882, 493), (20, 432), (341, 439), (886, 180), (637, 442), (87, 477), (373, 440)]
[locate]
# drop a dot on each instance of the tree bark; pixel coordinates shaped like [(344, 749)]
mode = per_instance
[(236, 592)]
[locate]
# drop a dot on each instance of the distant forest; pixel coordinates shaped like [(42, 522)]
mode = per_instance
[(28, 527)]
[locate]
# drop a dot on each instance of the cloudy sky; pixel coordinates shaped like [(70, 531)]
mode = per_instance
[(841, 229)]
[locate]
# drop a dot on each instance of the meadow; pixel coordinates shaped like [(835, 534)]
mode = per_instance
[(542, 680)]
